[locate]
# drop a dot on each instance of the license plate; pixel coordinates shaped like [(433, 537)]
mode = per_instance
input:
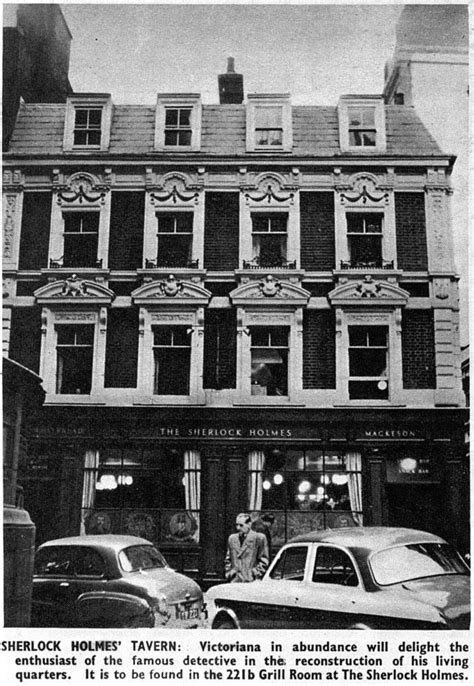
[(190, 613)]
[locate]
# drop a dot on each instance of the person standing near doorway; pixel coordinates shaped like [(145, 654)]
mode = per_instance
[(247, 552)]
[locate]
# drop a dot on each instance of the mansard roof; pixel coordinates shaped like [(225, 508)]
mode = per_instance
[(40, 128)]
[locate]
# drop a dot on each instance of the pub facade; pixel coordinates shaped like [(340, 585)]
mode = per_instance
[(249, 306)]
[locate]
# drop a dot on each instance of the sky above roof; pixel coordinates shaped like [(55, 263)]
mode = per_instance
[(316, 52)]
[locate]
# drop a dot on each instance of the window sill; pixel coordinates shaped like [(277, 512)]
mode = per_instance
[(265, 400)]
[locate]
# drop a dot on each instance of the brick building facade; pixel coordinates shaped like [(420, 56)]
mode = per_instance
[(243, 306)]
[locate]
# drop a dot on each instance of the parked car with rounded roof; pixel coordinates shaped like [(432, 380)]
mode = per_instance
[(352, 578), (111, 581)]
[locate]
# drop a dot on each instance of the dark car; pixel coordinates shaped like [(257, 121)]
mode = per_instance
[(353, 578), (111, 581)]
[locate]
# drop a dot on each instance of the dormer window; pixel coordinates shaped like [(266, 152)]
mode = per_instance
[(269, 122), (178, 121), (178, 126), (268, 126), (87, 126), (362, 123), (87, 123)]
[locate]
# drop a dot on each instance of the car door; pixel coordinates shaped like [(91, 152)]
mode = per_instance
[(62, 574), (276, 604), (53, 572), (333, 596)]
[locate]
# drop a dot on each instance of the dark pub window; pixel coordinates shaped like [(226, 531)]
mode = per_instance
[(175, 239), (368, 352), (269, 239), (87, 126), (178, 126), (364, 234), (269, 358), (81, 235), (74, 351), (172, 353)]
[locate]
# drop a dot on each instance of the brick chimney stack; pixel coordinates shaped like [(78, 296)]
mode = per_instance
[(231, 85)]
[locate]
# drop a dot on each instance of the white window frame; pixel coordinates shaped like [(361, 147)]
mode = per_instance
[(190, 101), (100, 101), (364, 211), (374, 102), (261, 101)]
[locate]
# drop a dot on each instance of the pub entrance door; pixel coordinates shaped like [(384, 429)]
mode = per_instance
[(224, 495)]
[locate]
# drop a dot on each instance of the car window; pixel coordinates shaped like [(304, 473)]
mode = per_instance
[(415, 561), (334, 566), (89, 563), (54, 561), (291, 564), (141, 557)]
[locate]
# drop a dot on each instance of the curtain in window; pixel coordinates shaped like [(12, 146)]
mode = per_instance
[(256, 464), (192, 486), (354, 482), (59, 372), (91, 464)]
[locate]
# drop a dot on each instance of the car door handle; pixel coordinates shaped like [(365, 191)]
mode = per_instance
[(64, 584)]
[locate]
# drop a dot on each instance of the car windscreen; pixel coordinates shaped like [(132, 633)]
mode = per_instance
[(415, 561), (138, 557)]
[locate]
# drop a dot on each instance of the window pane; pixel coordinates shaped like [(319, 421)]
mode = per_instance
[(291, 564), (260, 223), (184, 118), (80, 137), (95, 118), (279, 336), (171, 117), (271, 250), (373, 223), (278, 222), (368, 116), (66, 334), (268, 117), (174, 250), (358, 335), (166, 223), (377, 335), (74, 373), (368, 137), (162, 335), (184, 138), (355, 116), (171, 137), (172, 371), (334, 566), (81, 118), (181, 336), (355, 223), (89, 563), (93, 138), (368, 390), (54, 561), (184, 222), (84, 334), (80, 250), (367, 362), (365, 250)]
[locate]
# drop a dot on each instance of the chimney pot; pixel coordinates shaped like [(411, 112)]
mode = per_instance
[(231, 85)]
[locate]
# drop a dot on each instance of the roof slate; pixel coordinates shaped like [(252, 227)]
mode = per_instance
[(40, 127)]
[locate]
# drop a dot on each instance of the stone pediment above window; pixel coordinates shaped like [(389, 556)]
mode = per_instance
[(270, 291), (74, 290), (368, 292), (270, 189), (171, 291), (81, 190), (174, 189), (363, 190)]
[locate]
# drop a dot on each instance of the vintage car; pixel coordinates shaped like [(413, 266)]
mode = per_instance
[(352, 578), (111, 581)]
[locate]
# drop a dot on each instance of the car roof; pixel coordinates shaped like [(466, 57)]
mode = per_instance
[(108, 541), (368, 537)]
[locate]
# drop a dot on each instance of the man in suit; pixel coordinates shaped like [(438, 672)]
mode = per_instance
[(247, 552)]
